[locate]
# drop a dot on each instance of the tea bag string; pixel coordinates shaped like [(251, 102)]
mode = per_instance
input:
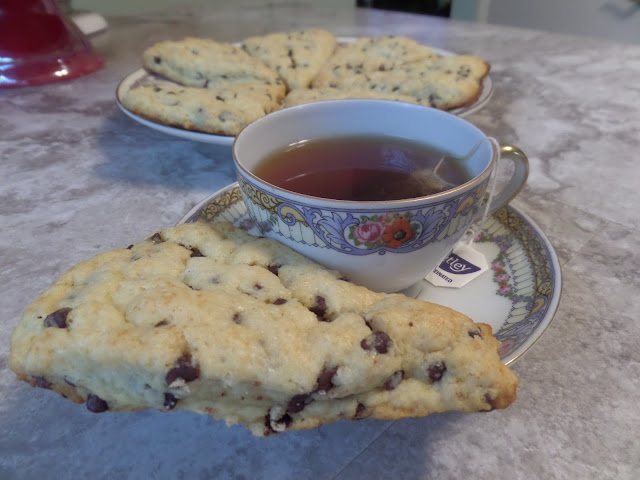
[(492, 185), (443, 159)]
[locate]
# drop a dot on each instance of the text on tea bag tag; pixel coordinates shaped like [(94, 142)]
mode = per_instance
[(465, 263)]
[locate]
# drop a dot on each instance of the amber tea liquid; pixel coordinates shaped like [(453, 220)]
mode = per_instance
[(362, 168)]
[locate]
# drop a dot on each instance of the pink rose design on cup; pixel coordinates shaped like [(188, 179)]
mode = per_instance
[(369, 232), (503, 277)]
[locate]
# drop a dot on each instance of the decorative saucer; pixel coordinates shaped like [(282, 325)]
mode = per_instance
[(518, 295)]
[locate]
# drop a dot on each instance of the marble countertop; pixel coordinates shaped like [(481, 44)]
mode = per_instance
[(77, 177)]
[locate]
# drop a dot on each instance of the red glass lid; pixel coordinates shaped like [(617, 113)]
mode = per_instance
[(39, 45)]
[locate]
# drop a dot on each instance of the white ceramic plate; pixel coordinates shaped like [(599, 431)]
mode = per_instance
[(518, 296), (141, 75)]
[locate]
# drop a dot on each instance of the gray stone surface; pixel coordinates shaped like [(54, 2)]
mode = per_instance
[(77, 176)]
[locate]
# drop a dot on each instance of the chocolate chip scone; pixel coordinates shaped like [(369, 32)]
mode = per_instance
[(219, 111), (371, 54), (400, 66), (202, 62), (433, 87), (208, 318), (296, 56)]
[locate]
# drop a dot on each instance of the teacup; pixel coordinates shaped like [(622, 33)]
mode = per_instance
[(384, 245)]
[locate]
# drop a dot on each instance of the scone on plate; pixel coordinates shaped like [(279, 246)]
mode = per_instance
[(224, 110), (371, 54), (296, 56), (401, 66), (207, 318), (203, 62)]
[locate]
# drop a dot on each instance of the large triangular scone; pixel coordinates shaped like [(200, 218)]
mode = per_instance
[(208, 318), (296, 56)]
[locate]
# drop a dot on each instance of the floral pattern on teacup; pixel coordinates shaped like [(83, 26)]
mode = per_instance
[(363, 232), (390, 231)]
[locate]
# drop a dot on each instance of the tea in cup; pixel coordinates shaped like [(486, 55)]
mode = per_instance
[(379, 190)]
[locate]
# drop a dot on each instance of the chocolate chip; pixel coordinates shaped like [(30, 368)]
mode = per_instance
[(324, 383), (57, 318), (161, 323), (196, 253), (218, 97), (411, 324), (475, 333), (394, 380), (278, 425), (298, 402), (170, 401), (156, 238), (379, 341), (42, 382), (360, 412), (436, 370), (320, 306), (130, 247), (280, 301), (185, 370), (157, 59), (293, 60), (95, 404), (237, 318), (274, 268), (490, 401), (257, 286)]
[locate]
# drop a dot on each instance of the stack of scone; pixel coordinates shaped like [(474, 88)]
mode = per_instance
[(207, 318), (218, 88)]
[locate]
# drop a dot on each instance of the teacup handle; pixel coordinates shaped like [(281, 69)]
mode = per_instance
[(517, 180)]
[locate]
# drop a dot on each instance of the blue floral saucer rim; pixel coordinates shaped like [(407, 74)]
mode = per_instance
[(524, 282)]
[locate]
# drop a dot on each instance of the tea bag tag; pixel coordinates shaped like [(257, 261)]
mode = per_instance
[(462, 265), (465, 263)]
